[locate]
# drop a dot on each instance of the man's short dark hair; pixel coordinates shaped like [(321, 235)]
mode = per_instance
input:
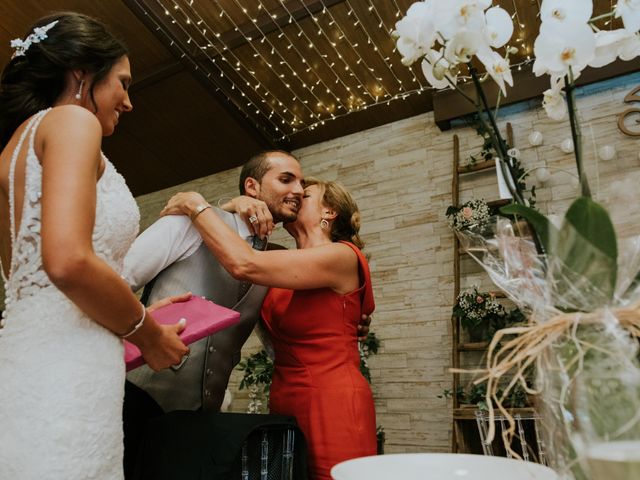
[(257, 166)]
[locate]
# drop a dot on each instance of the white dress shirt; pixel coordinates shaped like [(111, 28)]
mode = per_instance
[(170, 239)]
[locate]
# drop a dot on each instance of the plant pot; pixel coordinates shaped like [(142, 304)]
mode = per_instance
[(478, 333)]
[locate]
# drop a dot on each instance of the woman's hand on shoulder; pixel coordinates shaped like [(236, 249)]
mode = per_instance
[(254, 212), (183, 203)]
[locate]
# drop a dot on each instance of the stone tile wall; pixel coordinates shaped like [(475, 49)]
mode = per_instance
[(400, 174)]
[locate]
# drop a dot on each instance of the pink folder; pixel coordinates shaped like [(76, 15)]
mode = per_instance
[(203, 319)]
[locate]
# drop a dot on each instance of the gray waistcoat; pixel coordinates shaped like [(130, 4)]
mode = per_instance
[(202, 379)]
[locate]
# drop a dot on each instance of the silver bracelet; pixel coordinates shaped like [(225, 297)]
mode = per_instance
[(137, 325), (198, 210)]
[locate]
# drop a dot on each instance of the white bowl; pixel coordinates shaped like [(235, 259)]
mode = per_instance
[(439, 466)]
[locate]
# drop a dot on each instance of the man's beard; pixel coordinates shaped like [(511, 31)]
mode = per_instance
[(284, 217), (281, 213)]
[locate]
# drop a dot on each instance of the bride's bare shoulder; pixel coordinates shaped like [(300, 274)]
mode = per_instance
[(70, 118), (70, 115)]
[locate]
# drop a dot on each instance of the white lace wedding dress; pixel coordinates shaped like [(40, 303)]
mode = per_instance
[(61, 374)]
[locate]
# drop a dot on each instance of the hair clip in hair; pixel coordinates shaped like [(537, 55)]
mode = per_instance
[(39, 34)]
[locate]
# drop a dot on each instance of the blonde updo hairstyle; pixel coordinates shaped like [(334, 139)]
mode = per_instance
[(346, 225)]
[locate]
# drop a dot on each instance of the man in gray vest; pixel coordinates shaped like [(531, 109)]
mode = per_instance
[(171, 258)]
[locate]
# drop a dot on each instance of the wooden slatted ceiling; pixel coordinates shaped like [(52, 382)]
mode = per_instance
[(189, 121)]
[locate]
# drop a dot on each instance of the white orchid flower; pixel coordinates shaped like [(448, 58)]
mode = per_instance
[(499, 26), (463, 46), (497, 67), (409, 50), (453, 15), (629, 10), (484, 4), (562, 11), (416, 32), (629, 48), (553, 101), (561, 46), (611, 43), (436, 70)]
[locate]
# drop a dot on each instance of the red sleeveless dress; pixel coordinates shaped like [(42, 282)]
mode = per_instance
[(317, 369)]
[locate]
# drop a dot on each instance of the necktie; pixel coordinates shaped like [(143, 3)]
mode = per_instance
[(258, 244)]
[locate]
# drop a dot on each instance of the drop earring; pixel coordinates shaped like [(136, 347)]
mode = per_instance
[(324, 224), (79, 94)]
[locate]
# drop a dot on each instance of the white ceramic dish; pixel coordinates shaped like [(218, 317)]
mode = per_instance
[(440, 466)]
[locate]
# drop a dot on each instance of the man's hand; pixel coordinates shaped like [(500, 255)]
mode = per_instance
[(169, 300), (254, 212), (363, 327)]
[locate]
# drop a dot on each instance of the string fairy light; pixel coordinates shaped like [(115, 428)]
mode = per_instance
[(250, 102), (388, 64), (253, 46), (255, 83), (310, 70), (361, 85), (383, 26), (333, 78), (183, 55)]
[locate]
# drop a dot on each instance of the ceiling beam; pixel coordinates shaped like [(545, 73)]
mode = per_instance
[(449, 105), (265, 23), (162, 73)]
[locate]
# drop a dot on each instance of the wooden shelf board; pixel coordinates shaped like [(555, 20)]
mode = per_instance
[(476, 167), (472, 346), (469, 412), (499, 203)]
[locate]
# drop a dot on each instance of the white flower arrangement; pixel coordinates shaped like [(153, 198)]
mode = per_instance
[(584, 307), (569, 41), (448, 33), (474, 213), (475, 306)]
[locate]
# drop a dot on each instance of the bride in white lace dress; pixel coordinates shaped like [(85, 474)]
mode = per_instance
[(66, 221)]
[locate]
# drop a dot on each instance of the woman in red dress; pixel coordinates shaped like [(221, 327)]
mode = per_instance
[(318, 295)]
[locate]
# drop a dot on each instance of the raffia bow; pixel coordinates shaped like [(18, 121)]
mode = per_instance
[(527, 347)]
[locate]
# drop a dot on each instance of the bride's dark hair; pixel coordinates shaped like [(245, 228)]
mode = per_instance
[(35, 80)]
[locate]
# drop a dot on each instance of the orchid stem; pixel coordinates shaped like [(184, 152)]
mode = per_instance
[(576, 134), (496, 137), (602, 17)]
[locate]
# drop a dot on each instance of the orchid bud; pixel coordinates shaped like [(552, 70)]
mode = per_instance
[(439, 71)]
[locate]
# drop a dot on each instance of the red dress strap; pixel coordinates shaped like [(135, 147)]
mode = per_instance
[(368, 304)]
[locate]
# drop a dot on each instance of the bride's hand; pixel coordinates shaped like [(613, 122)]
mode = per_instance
[(160, 345), (254, 212), (183, 203)]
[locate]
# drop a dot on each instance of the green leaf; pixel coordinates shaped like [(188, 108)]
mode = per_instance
[(592, 221), (546, 231), (588, 252)]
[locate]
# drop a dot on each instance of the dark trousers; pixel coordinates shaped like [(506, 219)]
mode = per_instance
[(184, 445), (139, 408)]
